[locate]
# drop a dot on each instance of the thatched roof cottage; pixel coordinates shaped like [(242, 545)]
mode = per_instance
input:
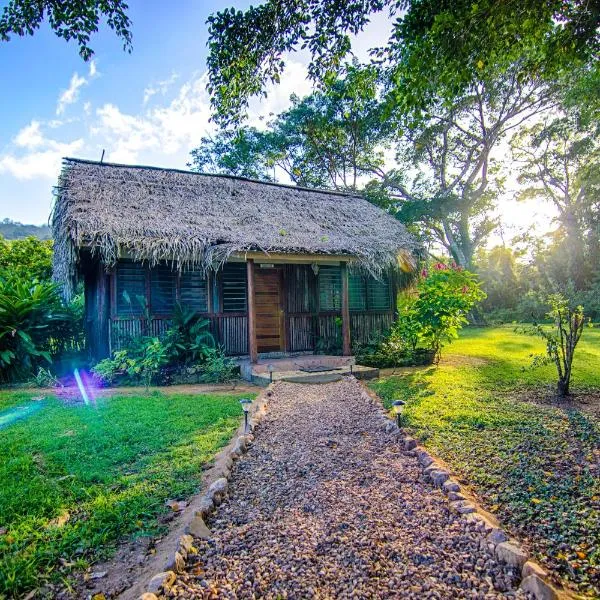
[(276, 268)]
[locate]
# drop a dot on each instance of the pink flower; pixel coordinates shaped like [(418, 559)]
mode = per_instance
[(465, 289), (424, 273)]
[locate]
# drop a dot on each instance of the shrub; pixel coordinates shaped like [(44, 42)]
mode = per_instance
[(187, 347), (141, 364), (218, 368), (29, 259), (189, 338), (533, 306), (429, 318), (561, 339), (33, 323), (445, 296)]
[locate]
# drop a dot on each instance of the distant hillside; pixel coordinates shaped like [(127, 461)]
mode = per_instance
[(12, 230)]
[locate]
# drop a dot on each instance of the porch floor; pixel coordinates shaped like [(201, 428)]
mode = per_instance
[(290, 369)]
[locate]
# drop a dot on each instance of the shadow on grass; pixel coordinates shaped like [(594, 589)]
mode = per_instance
[(537, 466)]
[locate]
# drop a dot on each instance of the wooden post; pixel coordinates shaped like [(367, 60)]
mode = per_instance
[(346, 345), (103, 347), (394, 286), (252, 346)]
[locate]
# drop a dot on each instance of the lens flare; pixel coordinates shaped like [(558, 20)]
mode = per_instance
[(12, 415), (81, 387)]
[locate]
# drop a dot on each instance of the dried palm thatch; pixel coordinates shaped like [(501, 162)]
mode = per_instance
[(199, 220)]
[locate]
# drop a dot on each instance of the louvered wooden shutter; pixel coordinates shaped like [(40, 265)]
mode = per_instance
[(357, 291), (330, 288), (234, 287), (163, 285), (131, 289), (194, 291), (378, 293)]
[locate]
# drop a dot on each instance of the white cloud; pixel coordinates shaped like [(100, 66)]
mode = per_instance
[(30, 136), (71, 94), (43, 155), (161, 134), (163, 131), (93, 69), (160, 87)]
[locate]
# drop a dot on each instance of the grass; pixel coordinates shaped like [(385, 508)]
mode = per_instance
[(108, 469), (536, 465)]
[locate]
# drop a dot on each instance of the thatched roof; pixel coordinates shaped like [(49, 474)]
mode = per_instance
[(195, 219)]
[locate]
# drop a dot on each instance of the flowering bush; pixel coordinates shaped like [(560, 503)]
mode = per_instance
[(445, 296), (428, 318)]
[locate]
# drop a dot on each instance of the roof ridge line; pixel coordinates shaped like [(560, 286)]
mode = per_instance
[(69, 159)]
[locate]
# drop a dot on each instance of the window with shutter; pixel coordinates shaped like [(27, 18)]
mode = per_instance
[(378, 293), (357, 291), (330, 288), (163, 285), (131, 289), (234, 284), (193, 293)]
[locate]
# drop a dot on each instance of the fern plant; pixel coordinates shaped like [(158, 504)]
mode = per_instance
[(29, 315)]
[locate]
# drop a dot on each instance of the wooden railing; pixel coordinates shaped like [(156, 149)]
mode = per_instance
[(365, 326), (231, 330), (228, 329), (305, 329)]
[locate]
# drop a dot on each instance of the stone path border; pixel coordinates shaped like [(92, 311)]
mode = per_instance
[(215, 484), (534, 578), (507, 550)]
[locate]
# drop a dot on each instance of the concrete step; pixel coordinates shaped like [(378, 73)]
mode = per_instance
[(298, 376)]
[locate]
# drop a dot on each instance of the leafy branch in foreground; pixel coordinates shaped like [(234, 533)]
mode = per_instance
[(561, 339), (74, 20), (436, 50)]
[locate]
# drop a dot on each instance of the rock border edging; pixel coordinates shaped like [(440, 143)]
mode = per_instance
[(534, 578), (213, 495)]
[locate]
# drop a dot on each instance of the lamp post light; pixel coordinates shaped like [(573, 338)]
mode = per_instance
[(352, 362), (270, 368), (397, 408), (245, 402)]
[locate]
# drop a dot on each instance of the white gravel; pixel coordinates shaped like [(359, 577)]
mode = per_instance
[(327, 505)]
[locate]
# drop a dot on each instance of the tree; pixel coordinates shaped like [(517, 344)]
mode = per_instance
[(73, 20), (333, 138), (501, 277), (559, 162), (244, 152), (443, 181), (29, 259), (437, 49), (561, 340), (450, 154)]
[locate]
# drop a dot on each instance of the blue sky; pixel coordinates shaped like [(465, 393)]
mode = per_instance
[(147, 107)]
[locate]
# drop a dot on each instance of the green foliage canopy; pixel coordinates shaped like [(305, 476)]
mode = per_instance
[(331, 138), (436, 50), (559, 162), (73, 20), (29, 259)]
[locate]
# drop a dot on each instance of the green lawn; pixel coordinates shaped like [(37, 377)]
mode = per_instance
[(109, 467), (536, 466)]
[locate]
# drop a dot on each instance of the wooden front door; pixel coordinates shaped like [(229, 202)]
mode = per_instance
[(269, 310)]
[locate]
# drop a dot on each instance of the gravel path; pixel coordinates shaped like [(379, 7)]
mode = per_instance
[(326, 505)]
